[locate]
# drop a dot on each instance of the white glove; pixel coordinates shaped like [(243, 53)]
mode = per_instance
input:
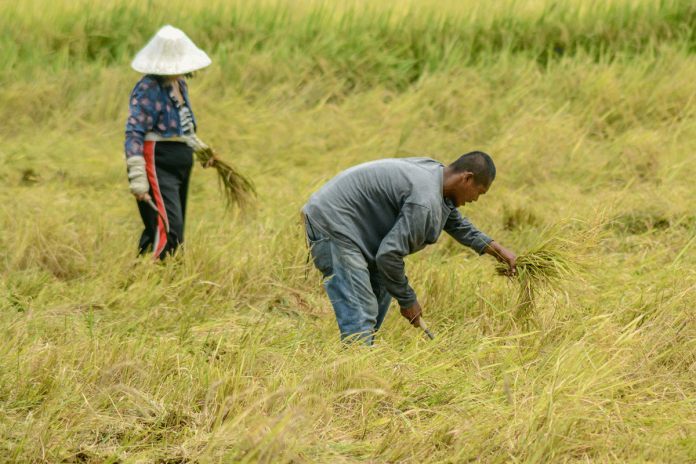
[(194, 142), (137, 175)]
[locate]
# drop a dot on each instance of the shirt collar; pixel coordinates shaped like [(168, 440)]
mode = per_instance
[(447, 205)]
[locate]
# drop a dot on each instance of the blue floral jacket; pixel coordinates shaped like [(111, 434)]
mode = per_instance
[(151, 110)]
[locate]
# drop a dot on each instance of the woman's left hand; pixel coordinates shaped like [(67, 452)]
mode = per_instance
[(211, 161)]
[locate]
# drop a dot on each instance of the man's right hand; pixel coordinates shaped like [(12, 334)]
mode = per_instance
[(412, 314), (142, 196)]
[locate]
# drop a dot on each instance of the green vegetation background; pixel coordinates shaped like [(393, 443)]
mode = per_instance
[(229, 353)]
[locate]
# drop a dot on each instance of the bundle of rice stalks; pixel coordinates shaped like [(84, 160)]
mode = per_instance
[(559, 256), (237, 189)]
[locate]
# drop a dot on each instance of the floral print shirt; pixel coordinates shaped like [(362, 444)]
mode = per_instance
[(152, 110)]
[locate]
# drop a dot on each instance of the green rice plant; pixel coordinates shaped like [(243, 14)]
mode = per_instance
[(237, 189), (519, 217), (552, 261)]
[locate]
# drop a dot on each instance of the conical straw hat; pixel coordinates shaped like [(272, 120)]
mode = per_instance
[(170, 52)]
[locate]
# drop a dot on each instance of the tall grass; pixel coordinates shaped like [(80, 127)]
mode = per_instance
[(228, 353), (409, 34), (360, 44)]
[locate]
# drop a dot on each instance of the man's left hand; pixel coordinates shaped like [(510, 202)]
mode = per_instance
[(503, 255)]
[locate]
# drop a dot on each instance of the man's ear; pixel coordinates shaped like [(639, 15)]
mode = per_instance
[(466, 176)]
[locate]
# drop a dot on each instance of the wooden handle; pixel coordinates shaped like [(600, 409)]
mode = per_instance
[(421, 324)]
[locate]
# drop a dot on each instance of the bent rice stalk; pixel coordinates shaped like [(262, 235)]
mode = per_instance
[(237, 189), (553, 260)]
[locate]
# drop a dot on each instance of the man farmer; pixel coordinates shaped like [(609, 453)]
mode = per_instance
[(364, 222)]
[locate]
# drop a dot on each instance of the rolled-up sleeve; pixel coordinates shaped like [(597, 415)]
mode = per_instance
[(142, 112), (463, 231), (406, 237)]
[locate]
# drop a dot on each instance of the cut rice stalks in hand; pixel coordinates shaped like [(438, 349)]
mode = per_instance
[(553, 260), (237, 189)]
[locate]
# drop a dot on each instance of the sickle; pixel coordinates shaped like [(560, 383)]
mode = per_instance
[(166, 224)]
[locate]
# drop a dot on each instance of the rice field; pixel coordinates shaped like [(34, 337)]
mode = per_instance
[(229, 352)]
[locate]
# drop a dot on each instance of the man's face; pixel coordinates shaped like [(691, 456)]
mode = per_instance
[(467, 190)]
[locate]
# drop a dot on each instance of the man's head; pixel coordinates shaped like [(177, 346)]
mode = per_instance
[(468, 177)]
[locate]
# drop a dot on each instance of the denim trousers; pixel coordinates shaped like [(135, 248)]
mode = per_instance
[(357, 293)]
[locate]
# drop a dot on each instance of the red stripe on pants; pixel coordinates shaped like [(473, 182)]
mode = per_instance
[(161, 239)]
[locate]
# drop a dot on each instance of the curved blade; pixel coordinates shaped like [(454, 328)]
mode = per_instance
[(152, 204)]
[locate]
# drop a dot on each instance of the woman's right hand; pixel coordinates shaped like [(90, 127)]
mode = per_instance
[(137, 177)]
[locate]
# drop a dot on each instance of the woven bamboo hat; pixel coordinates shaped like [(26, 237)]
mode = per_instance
[(168, 53)]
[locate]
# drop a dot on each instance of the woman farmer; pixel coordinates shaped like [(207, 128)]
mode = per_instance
[(161, 138)]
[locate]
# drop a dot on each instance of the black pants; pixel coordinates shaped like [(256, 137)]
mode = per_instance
[(168, 166)]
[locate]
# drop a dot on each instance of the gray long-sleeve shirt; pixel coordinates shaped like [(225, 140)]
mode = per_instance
[(389, 209)]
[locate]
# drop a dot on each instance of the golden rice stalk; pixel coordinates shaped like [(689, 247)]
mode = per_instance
[(553, 260), (237, 189)]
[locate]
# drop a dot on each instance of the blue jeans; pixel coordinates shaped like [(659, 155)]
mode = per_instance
[(355, 288)]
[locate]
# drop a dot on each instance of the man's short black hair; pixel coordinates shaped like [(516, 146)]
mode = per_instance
[(478, 163)]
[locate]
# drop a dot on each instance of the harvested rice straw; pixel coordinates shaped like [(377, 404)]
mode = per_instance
[(237, 189), (553, 260)]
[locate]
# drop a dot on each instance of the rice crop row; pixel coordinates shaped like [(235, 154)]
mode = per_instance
[(365, 43)]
